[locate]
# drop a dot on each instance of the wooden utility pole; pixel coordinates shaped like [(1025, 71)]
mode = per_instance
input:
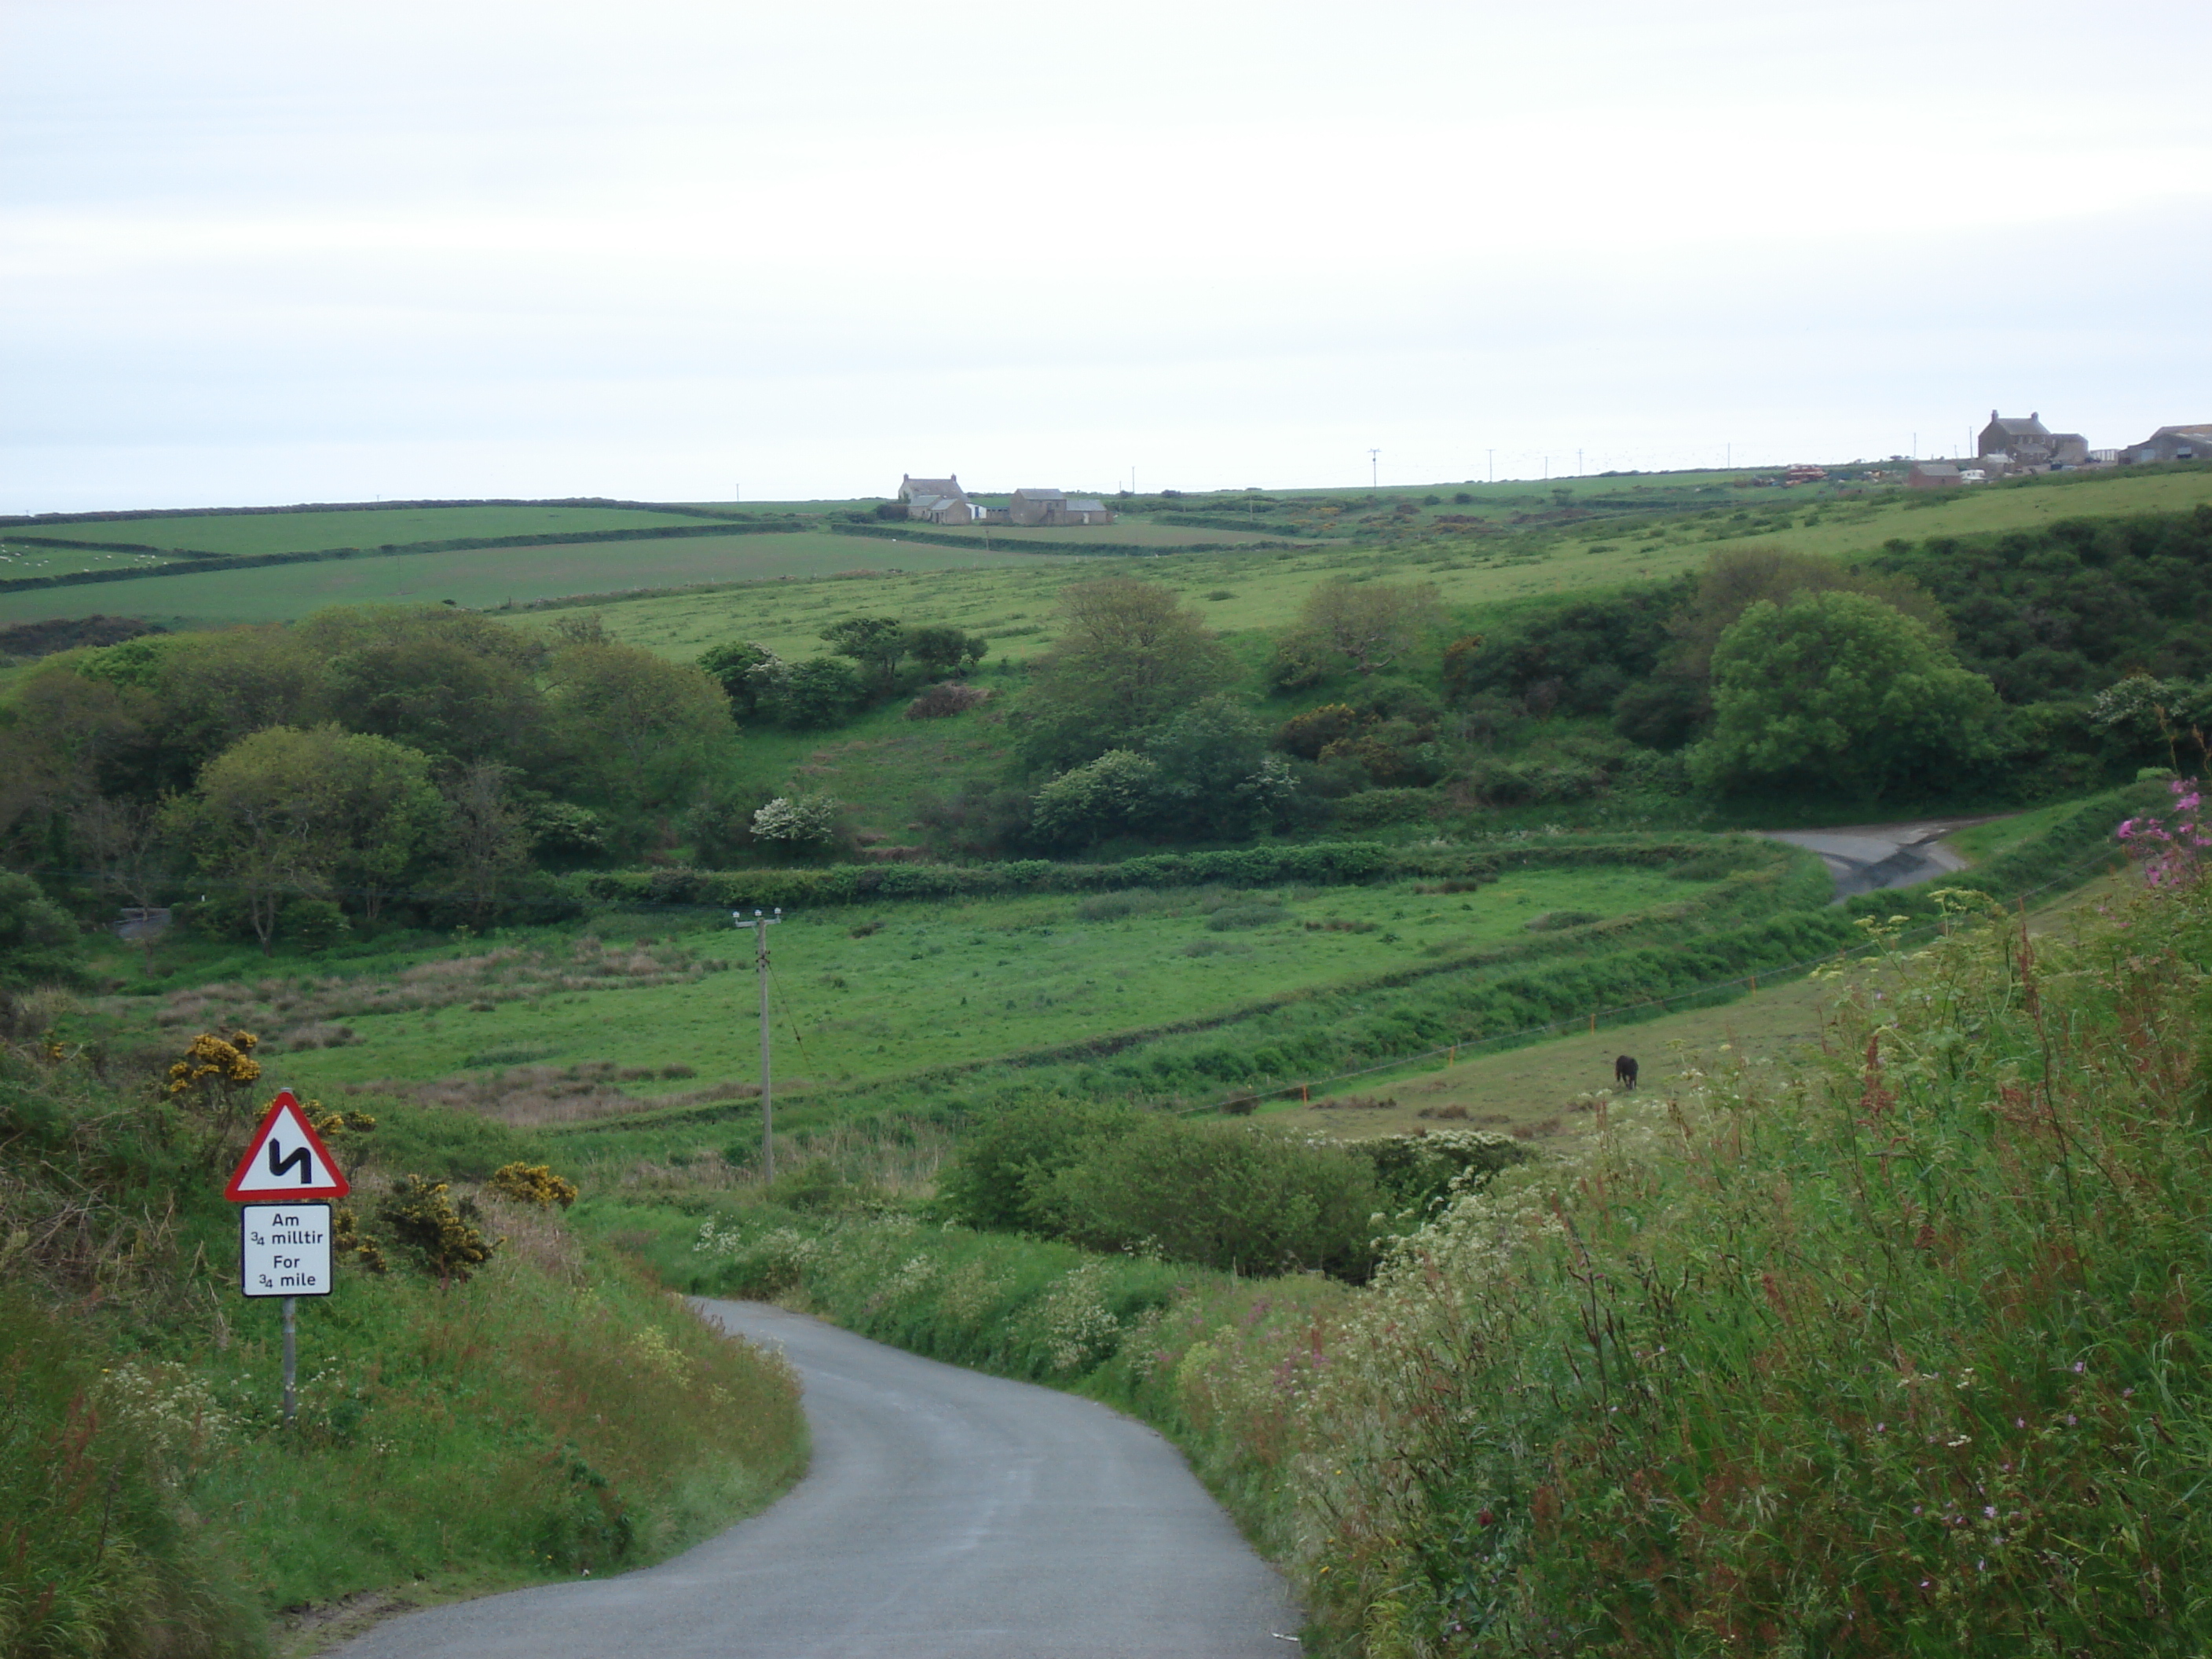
[(760, 925)]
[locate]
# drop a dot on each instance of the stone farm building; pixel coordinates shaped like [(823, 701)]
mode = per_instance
[(1053, 507), (938, 500), (2011, 445), (942, 501)]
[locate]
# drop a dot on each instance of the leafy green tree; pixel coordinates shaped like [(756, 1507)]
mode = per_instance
[(941, 650), (640, 731), (878, 644), (1215, 776), (734, 668), (456, 685), (285, 812), (1366, 625), (818, 693), (1118, 793), (1129, 655), (487, 837), (1839, 691), (38, 944), (1735, 578)]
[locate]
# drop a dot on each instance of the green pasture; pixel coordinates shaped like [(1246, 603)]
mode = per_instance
[(870, 993), (487, 578), (244, 533), (1262, 588)]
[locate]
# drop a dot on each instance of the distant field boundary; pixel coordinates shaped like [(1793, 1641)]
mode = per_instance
[(940, 538), (187, 562)]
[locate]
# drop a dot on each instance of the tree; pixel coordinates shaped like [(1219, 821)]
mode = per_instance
[(486, 839), (281, 813), (641, 730), (37, 942), (877, 643), (818, 692), (1736, 579), (1215, 776), (732, 666), (1129, 656), (1115, 795), (1840, 690), (456, 685), (1371, 624), (941, 650)]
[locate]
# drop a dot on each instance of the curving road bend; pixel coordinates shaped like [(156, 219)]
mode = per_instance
[(947, 1515), (1869, 858)]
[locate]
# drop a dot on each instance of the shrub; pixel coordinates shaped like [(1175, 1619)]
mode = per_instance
[(1002, 1179), (949, 698), (798, 821), (443, 1240), (534, 1184), (1256, 1202)]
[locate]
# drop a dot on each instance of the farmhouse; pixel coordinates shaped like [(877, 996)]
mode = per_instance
[(940, 500), (2174, 443), (2008, 444)]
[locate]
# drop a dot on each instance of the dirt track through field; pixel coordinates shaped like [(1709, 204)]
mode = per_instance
[(947, 1515)]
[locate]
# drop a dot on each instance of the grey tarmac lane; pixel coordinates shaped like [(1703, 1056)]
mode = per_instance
[(947, 1515)]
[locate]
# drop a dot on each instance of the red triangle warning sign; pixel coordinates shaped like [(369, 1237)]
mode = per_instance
[(287, 1159)]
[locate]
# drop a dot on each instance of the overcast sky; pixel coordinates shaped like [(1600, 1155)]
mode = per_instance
[(312, 251)]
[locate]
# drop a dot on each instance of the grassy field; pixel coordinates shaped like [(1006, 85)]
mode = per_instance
[(234, 534), (1544, 1089), (1262, 586), (485, 578), (864, 993), (1263, 590)]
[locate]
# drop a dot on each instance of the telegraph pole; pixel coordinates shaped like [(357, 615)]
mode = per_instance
[(1374, 468), (760, 925)]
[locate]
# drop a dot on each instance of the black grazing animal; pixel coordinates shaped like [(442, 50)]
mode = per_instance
[(1624, 1072)]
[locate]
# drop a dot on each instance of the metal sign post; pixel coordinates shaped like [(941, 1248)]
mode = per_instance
[(760, 925), (283, 1239)]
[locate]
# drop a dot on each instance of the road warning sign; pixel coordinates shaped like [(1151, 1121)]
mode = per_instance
[(287, 1160)]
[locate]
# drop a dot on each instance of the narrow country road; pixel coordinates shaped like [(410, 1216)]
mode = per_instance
[(947, 1515), (1868, 858)]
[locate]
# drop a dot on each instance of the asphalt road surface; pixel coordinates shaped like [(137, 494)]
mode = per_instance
[(1869, 857), (947, 1514)]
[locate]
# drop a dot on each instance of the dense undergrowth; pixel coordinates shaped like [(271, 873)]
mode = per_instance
[(551, 1415)]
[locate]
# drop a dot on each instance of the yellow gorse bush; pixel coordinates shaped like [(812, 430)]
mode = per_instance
[(532, 1183), (226, 1063)]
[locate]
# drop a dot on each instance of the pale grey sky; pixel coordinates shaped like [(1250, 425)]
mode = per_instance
[(258, 252)]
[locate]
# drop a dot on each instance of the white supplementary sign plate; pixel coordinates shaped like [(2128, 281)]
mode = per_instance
[(284, 1249)]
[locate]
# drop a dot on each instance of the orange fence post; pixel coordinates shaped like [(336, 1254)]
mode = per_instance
[(1302, 1091)]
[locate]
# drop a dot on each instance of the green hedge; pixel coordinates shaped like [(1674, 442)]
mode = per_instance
[(1319, 863)]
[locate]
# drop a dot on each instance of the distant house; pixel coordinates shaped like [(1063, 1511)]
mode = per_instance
[(2174, 443), (2008, 444), (938, 500), (1053, 507), (1935, 475)]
